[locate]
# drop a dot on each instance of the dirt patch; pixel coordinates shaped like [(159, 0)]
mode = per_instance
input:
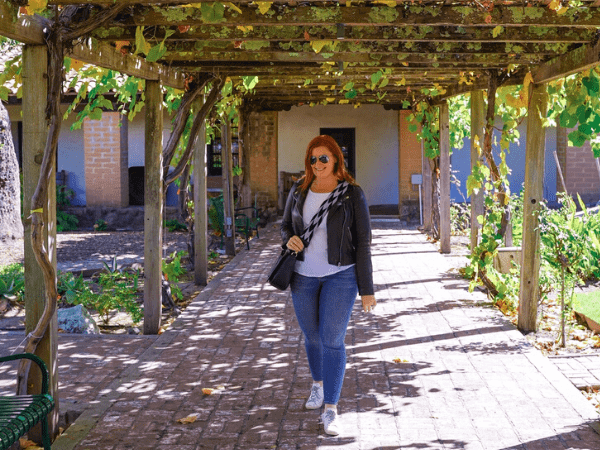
[(82, 249)]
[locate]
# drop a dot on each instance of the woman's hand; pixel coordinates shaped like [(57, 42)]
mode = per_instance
[(295, 244), (368, 302)]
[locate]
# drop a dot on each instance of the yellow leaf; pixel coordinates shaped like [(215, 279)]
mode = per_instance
[(330, 99), (323, 88), (189, 419), (76, 65), (398, 360), (344, 101), (317, 46), (27, 444), (264, 7), (390, 3), (207, 391), (232, 6), (554, 5), (36, 6), (245, 29), (497, 30)]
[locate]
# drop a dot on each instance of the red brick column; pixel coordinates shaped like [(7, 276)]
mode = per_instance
[(582, 175), (409, 160), (261, 151), (106, 161)]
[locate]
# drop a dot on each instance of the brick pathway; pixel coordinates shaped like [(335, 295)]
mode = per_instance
[(467, 378), (582, 370)]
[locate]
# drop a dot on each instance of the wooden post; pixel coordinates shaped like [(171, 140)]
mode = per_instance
[(427, 186), (200, 216), (153, 208), (227, 178), (477, 131), (533, 195), (35, 133), (444, 179)]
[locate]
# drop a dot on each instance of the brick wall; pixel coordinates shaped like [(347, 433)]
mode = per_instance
[(581, 175), (409, 161), (261, 148), (106, 161)]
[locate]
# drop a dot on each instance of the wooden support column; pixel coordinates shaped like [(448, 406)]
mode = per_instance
[(200, 216), (444, 179), (534, 177), (227, 178), (35, 133), (477, 130), (153, 209), (426, 193)]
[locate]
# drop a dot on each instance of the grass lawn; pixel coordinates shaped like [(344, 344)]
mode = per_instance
[(588, 304)]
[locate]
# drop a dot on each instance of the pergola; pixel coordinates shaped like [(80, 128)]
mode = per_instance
[(304, 53)]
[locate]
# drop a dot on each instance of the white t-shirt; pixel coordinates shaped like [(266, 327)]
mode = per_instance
[(315, 262)]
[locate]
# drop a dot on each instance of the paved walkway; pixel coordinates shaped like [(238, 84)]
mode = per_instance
[(466, 377)]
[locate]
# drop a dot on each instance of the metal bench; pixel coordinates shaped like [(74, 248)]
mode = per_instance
[(20, 413)]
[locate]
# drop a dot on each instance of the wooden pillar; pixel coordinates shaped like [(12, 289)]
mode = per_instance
[(200, 216), (227, 178), (35, 133), (444, 179), (477, 131), (533, 195), (153, 208), (427, 187)]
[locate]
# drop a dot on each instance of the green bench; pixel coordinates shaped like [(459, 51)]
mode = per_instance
[(20, 413), (246, 219)]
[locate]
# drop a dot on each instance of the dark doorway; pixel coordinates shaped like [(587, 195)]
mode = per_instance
[(345, 137)]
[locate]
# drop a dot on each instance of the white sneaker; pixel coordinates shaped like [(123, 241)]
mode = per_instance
[(331, 422), (315, 399)]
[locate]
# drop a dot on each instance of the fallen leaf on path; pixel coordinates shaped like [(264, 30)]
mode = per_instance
[(398, 360), (207, 391), (189, 419), (27, 444)]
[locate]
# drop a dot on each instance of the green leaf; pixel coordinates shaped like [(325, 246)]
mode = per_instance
[(376, 77), (567, 120), (350, 94), (156, 52), (591, 84), (212, 12), (96, 114), (250, 82), (577, 138)]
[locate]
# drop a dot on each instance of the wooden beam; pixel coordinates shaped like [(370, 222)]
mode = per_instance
[(153, 208), (533, 196), (25, 29), (200, 213), (477, 132), (35, 133), (31, 30), (450, 16), (104, 55), (481, 60), (580, 59), (227, 179), (388, 34), (444, 179)]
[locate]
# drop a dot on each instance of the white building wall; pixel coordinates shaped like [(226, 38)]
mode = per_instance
[(376, 144)]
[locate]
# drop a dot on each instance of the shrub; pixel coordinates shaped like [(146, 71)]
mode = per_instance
[(12, 281)]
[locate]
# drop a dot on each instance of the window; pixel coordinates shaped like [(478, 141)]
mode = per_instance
[(214, 155)]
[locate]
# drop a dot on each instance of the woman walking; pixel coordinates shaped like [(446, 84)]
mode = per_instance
[(331, 269)]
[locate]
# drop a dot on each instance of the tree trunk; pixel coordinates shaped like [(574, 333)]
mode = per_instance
[(11, 226)]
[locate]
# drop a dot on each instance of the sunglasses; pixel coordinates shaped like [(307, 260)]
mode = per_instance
[(323, 158)]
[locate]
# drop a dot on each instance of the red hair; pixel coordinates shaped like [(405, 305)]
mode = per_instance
[(339, 170)]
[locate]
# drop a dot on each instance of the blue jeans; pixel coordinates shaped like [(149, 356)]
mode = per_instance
[(323, 308)]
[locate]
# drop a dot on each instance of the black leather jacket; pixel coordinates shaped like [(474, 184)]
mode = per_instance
[(348, 232)]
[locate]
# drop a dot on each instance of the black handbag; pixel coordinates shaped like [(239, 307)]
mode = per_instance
[(282, 270)]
